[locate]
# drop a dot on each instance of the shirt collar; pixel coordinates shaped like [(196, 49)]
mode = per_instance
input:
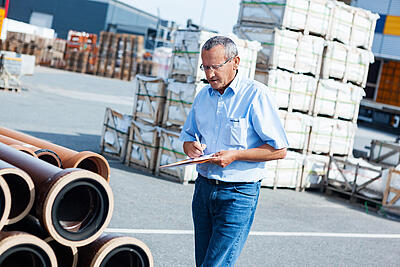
[(234, 85)]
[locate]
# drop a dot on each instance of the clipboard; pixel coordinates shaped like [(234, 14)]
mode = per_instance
[(184, 162)]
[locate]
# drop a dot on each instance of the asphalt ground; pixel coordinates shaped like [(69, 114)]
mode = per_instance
[(290, 228)]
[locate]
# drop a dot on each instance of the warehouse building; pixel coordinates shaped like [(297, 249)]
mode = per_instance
[(91, 16)]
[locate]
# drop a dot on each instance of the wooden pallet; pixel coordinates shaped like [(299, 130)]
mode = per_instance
[(385, 153)]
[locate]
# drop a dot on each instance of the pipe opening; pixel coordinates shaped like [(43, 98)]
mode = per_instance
[(20, 194), (80, 209), (25, 255), (89, 164), (64, 254), (126, 255), (49, 159)]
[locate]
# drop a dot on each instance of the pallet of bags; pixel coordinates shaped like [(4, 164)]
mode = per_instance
[(297, 127), (171, 151), (142, 148), (149, 99), (180, 97), (114, 135)]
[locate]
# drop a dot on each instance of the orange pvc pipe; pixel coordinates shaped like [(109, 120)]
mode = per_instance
[(43, 154), (73, 205), (70, 159)]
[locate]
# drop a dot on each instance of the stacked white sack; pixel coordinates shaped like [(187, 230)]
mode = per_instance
[(315, 167), (297, 127), (342, 137), (289, 170)]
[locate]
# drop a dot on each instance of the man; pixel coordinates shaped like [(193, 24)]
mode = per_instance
[(236, 121)]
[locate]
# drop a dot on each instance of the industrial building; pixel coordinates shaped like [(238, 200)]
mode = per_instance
[(92, 16)]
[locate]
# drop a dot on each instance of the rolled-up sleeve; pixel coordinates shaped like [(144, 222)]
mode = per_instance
[(266, 122)]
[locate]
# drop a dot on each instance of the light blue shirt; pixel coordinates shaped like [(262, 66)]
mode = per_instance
[(243, 117)]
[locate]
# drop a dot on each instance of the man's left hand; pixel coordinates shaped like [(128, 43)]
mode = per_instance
[(224, 158)]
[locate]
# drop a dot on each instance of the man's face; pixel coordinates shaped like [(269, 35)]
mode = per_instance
[(221, 78)]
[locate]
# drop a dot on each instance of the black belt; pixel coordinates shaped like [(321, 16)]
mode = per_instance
[(219, 182)]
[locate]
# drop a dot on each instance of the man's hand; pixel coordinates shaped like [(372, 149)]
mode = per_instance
[(224, 158), (193, 149)]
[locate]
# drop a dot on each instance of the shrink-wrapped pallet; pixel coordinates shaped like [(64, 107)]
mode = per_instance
[(180, 97), (348, 101), (149, 99), (171, 151), (115, 134), (282, 115), (321, 134), (343, 137), (162, 60), (315, 167), (326, 97), (363, 29), (309, 54), (269, 173), (334, 60), (289, 171), (285, 49), (357, 65), (142, 145), (308, 16), (297, 127), (342, 22), (302, 92), (279, 83), (265, 36)]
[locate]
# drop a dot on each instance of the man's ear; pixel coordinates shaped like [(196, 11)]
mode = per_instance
[(236, 62)]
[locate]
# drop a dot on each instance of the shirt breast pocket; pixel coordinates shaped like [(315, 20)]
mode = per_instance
[(237, 132)]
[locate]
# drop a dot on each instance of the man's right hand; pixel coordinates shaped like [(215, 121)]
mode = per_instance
[(193, 149)]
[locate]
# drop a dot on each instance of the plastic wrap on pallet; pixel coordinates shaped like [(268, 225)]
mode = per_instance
[(270, 172), (171, 150), (349, 169), (302, 92), (315, 168), (342, 137), (348, 101), (285, 49), (334, 60), (363, 29), (321, 134), (319, 17), (142, 145), (289, 170), (247, 51), (309, 54), (180, 97), (326, 97), (282, 115), (279, 83), (265, 36), (297, 127), (191, 40), (149, 98), (162, 60), (342, 22), (357, 65), (115, 124)]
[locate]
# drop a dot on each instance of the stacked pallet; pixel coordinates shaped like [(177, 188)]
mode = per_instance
[(119, 55), (315, 58)]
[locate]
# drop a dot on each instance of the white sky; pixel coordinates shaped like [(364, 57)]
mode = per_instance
[(219, 15)]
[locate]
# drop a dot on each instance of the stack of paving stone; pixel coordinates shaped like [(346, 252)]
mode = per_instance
[(315, 58)]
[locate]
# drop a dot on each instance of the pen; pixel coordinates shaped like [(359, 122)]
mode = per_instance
[(198, 140)]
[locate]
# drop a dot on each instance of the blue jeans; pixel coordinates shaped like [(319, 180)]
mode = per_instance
[(222, 216)]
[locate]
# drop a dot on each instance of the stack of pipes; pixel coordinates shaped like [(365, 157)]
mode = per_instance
[(315, 58), (55, 204)]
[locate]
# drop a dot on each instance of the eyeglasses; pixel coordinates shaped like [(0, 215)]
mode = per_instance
[(215, 67)]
